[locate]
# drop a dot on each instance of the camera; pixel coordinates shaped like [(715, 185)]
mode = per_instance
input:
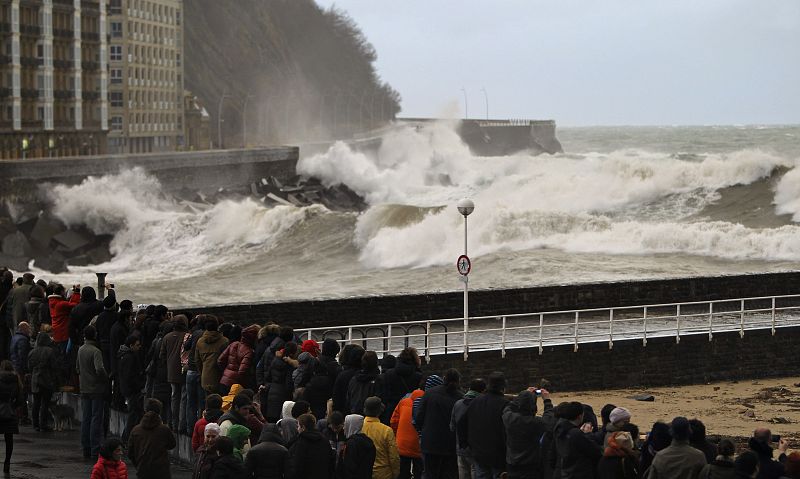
[(775, 438), (538, 392)]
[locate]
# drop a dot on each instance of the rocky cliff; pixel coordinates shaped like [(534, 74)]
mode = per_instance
[(290, 70)]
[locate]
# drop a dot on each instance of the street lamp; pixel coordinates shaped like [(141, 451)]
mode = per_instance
[(465, 207), (466, 109), (219, 119)]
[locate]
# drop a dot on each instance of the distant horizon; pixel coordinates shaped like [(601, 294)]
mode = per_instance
[(677, 125)]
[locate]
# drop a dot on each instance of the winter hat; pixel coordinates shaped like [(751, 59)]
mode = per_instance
[(373, 407), (432, 381), (109, 302), (126, 305), (310, 346), (619, 414), (330, 347), (249, 335)]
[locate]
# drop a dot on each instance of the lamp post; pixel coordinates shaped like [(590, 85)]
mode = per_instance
[(466, 109), (486, 98), (101, 285), (465, 207), (219, 119)]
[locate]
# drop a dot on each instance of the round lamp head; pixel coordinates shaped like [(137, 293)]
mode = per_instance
[(465, 206)]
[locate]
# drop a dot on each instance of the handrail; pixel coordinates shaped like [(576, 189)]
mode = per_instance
[(574, 327)]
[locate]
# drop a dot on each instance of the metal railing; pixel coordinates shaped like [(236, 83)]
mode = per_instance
[(572, 327)]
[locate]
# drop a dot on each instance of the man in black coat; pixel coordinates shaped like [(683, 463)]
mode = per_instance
[(311, 455), (481, 428), (119, 333), (269, 459), (433, 420), (350, 358), (131, 381), (761, 444), (82, 314), (395, 383), (578, 454), (524, 432)]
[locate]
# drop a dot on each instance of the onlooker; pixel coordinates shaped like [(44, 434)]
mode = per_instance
[(37, 310), (60, 309), (206, 352), (387, 458), (211, 415), (722, 466), (364, 383), (311, 455), (620, 460), (9, 398), (679, 460), (350, 359), (237, 414), (698, 440), (119, 332), (577, 453), (402, 423), (761, 444), (269, 459), (17, 300), (236, 360), (658, 440), (150, 443), (131, 381), (170, 353), (20, 348), (279, 380), (109, 463), (333, 430), (206, 452), (464, 457), (195, 395), (618, 418), (227, 465), (747, 465), (481, 429), (432, 418), (792, 466), (524, 433), (357, 458), (93, 382), (399, 381), (43, 364)]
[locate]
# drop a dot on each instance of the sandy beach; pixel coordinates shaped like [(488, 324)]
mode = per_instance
[(731, 409)]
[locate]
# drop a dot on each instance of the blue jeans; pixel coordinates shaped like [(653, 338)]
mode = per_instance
[(92, 406), (195, 399)]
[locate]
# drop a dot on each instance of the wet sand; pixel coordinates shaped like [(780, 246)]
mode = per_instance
[(730, 409)]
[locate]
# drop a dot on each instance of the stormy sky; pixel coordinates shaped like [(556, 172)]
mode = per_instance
[(590, 62)]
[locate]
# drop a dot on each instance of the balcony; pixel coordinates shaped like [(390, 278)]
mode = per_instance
[(5, 59), (90, 66), (63, 94), (62, 33), (29, 93), (63, 63), (90, 37), (5, 27), (5, 92), (91, 95), (31, 30)]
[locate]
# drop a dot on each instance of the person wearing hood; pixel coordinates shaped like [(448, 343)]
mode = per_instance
[(306, 362), (476, 387), (131, 381), (406, 435), (350, 359), (152, 324), (60, 309), (761, 444), (288, 423), (319, 389), (310, 455), (105, 321), (37, 311), (432, 413), (620, 460), (43, 365), (150, 443), (364, 383), (17, 300), (618, 418), (269, 459), (119, 332), (206, 451), (211, 415), (93, 380), (110, 464), (227, 465), (206, 353), (481, 428), (524, 431), (722, 467), (327, 357), (357, 458), (577, 453), (170, 355), (240, 435), (698, 440), (285, 335), (88, 308), (236, 360), (279, 380), (399, 381), (680, 459), (266, 335)]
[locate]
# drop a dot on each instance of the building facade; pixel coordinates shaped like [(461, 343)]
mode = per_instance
[(145, 92), (53, 78)]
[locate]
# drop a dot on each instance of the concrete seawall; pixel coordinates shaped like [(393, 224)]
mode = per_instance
[(202, 170)]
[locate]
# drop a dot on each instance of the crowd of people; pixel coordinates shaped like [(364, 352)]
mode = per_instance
[(258, 402)]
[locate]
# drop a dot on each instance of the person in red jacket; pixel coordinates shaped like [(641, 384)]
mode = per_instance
[(237, 359), (60, 308), (407, 436), (109, 463)]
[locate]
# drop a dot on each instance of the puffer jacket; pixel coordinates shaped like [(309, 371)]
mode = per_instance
[(43, 365), (235, 362), (109, 469), (59, 314), (207, 351), (404, 431)]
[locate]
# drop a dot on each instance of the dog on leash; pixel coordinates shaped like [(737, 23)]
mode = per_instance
[(62, 417)]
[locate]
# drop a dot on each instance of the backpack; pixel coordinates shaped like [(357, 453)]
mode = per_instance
[(357, 393)]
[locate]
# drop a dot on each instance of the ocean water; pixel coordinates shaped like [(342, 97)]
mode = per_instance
[(620, 203)]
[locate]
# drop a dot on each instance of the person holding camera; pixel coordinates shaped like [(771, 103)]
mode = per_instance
[(524, 431), (761, 443)]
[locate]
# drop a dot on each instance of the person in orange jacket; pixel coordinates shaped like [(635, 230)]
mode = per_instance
[(407, 436)]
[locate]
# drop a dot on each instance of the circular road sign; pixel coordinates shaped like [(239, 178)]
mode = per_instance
[(464, 265)]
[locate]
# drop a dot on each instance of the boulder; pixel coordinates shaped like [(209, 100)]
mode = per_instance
[(45, 229), (72, 240), (16, 245), (54, 263), (19, 264)]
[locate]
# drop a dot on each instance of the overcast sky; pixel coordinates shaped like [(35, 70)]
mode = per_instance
[(590, 62)]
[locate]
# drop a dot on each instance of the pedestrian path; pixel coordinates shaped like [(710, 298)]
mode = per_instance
[(57, 455)]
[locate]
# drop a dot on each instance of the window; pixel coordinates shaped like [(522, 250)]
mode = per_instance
[(116, 123), (116, 75), (116, 53), (116, 7), (116, 29), (116, 99), (40, 51), (178, 59), (40, 113)]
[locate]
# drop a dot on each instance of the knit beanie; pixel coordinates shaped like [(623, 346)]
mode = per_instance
[(619, 414), (311, 347), (432, 381)]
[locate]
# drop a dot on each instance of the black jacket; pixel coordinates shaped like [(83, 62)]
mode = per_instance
[(340, 390), (768, 469), (227, 467), (269, 459), (44, 365), (357, 458), (395, 384), (481, 428), (317, 392), (577, 454), (105, 321), (119, 332), (131, 372), (707, 448), (311, 456), (524, 430), (615, 467), (433, 419), (83, 312), (363, 385)]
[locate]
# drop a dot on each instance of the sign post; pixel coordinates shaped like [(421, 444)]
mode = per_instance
[(464, 265)]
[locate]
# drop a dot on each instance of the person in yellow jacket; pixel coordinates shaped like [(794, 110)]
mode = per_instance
[(387, 458)]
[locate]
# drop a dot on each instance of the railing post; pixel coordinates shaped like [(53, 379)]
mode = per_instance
[(503, 340), (611, 328), (541, 327), (644, 326), (741, 319), (350, 335), (466, 341), (678, 324), (577, 315), (309, 334), (428, 340), (710, 321), (773, 315), (387, 342)]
